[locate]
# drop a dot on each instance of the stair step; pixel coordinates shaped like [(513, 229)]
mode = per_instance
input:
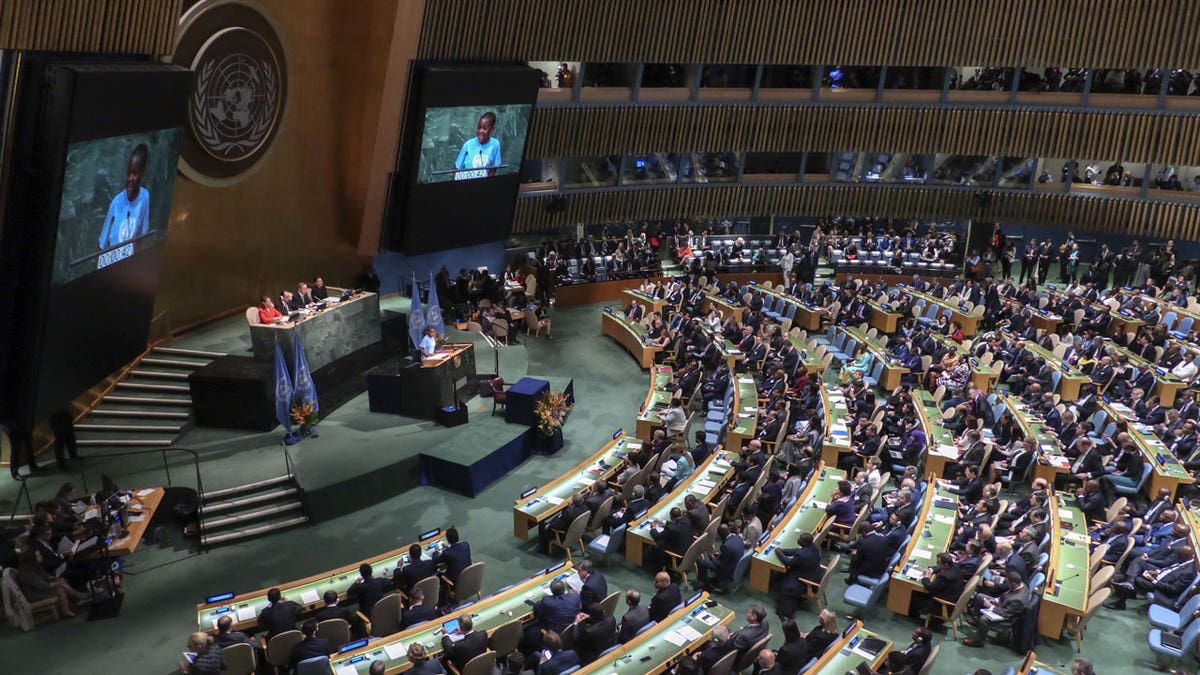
[(171, 363), (151, 386), (159, 374), (148, 414), (248, 487), (158, 428), (197, 353), (208, 524), (125, 442), (211, 507), (245, 533), (148, 400)]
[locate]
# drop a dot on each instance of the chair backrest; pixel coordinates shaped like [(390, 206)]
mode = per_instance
[(830, 570), (601, 514), (432, 588), (723, 666), (1095, 601), (279, 648), (964, 599), (385, 615), (470, 581), (504, 640), (16, 606), (609, 603), (239, 659), (719, 510), (1190, 635), (336, 631), (317, 665), (746, 659), (648, 626), (702, 544), (252, 316), (575, 530), (1102, 578), (481, 665), (1036, 581), (928, 666), (1098, 554)]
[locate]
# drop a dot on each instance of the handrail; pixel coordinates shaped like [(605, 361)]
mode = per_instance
[(166, 467)]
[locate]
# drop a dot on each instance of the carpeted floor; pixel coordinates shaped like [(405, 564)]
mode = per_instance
[(165, 581)]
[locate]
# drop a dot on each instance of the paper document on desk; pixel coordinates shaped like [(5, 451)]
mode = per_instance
[(922, 554), (94, 513), (145, 493), (347, 670), (309, 597), (136, 519), (706, 484), (943, 518), (675, 638), (1064, 514), (395, 650), (554, 500), (914, 572), (707, 618), (947, 451), (246, 614), (689, 633)]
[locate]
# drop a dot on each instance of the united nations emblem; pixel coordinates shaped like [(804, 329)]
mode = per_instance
[(239, 89)]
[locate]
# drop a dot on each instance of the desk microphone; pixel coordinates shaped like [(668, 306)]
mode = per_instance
[(1058, 583)]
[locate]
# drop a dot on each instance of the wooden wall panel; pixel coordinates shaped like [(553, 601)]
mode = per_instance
[(94, 26), (1016, 132), (1101, 34), (1077, 212)]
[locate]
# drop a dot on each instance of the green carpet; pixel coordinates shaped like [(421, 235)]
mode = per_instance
[(165, 582)]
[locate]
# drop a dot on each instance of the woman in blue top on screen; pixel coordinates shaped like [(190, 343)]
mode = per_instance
[(129, 213), (480, 152)]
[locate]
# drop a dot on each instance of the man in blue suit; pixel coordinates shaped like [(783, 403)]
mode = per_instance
[(595, 587), (456, 557), (555, 659), (801, 564), (716, 571), (551, 614)]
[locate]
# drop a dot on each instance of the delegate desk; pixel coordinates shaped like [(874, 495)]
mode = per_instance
[(538, 506), (309, 590), (495, 610), (141, 506), (725, 307), (705, 483), (745, 409), (328, 334), (728, 348), (629, 334), (892, 370), (808, 359), (1166, 385), (964, 318), (1167, 471), (807, 514), (1050, 461), (941, 448), (982, 376), (883, 318), (658, 648), (1066, 592), (1072, 377), (836, 437), (856, 645), (656, 399), (939, 515), (652, 304), (807, 316)]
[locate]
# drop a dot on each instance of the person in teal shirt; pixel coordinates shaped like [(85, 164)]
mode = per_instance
[(480, 152), (129, 213)]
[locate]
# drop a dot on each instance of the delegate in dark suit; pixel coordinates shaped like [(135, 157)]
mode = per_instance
[(593, 635), (308, 648), (801, 564), (279, 616), (415, 615), (632, 622), (456, 557), (667, 597), (461, 651)]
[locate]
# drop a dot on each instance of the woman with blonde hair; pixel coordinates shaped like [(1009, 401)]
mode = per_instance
[(422, 664), (819, 638), (205, 658)]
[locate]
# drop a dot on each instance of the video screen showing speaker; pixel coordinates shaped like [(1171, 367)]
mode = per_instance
[(111, 152), (458, 170), (116, 200), (469, 142)]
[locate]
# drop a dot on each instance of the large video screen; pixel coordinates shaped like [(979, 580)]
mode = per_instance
[(469, 142), (116, 200), (458, 170)]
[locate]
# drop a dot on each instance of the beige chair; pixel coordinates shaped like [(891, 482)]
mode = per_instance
[(817, 591), (725, 665), (1097, 558), (609, 603), (746, 660), (952, 613), (602, 513), (1124, 555), (252, 316), (336, 631), (572, 537), (504, 640), (1102, 578), (385, 615), (1094, 603), (18, 609), (470, 582), (474, 327), (432, 588), (239, 659), (1118, 504), (279, 648), (686, 564), (819, 537), (483, 664)]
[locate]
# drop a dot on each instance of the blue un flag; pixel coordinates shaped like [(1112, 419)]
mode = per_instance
[(306, 391), (433, 310), (283, 391)]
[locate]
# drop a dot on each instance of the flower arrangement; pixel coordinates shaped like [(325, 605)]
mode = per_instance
[(304, 415), (551, 411)]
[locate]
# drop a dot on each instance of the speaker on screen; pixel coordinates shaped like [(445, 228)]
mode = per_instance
[(458, 169)]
